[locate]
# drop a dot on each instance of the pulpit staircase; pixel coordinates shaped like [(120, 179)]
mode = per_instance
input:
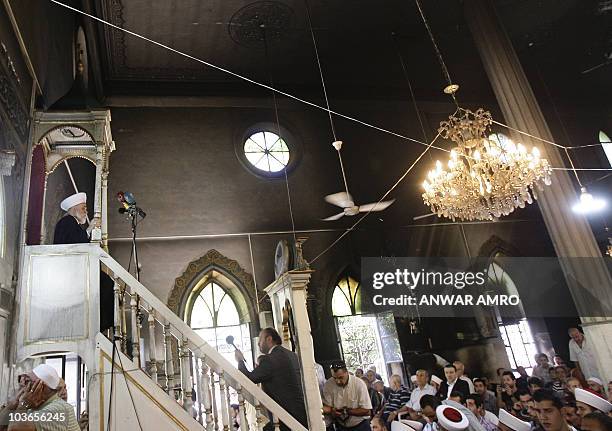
[(58, 312)]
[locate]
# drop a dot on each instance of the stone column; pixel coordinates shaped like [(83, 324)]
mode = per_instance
[(292, 286), (588, 278)]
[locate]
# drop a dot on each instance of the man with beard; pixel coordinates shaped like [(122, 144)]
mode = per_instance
[(70, 230), (489, 402), (279, 373)]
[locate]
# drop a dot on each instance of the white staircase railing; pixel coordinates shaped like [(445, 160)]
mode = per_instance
[(74, 269)]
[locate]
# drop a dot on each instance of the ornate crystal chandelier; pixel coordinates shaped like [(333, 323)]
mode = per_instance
[(485, 178)]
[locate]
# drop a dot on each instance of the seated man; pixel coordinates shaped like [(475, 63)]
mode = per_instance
[(40, 396), (69, 230), (346, 402)]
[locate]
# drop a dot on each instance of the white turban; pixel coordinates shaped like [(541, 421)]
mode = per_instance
[(589, 398), (513, 422), (451, 419), (70, 201), (48, 375)]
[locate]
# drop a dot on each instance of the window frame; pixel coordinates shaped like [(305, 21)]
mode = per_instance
[(293, 145), (226, 296), (355, 302)]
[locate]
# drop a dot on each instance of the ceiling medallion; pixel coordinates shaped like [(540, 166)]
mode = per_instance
[(486, 177), (246, 27)]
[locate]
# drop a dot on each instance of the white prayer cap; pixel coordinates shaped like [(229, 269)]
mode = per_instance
[(415, 425), (513, 422), (435, 379), (592, 399), (75, 199), (595, 380), (451, 419), (48, 375), (413, 378)]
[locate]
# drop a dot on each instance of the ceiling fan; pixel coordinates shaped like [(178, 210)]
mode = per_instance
[(608, 60), (345, 201)]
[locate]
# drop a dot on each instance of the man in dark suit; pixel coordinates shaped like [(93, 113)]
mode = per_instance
[(452, 384), (279, 373)]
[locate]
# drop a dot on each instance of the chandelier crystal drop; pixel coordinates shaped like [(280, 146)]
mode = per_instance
[(485, 177)]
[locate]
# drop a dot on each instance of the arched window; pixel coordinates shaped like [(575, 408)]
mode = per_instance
[(213, 314), (516, 333), (606, 143), (346, 299)]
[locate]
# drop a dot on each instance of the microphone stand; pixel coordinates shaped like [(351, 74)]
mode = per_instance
[(134, 223)]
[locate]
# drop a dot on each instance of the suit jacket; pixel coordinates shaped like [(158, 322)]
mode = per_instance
[(279, 374), (68, 231), (460, 386)]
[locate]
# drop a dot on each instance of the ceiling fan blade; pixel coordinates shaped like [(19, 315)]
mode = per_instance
[(380, 206), (340, 199), (423, 216), (605, 63), (334, 217)]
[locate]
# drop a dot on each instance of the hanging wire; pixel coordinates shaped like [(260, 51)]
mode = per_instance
[(546, 141), (331, 121), (314, 44), (280, 136), (438, 54), (288, 95), (412, 96), (567, 138)]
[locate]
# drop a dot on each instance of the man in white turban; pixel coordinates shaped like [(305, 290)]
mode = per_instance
[(69, 230)]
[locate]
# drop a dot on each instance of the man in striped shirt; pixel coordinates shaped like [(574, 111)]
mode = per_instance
[(40, 408), (398, 398)]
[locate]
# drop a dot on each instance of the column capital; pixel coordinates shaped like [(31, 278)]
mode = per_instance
[(296, 280)]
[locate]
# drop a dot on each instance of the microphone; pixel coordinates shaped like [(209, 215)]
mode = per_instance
[(128, 203), (230, 340), (129, 198)]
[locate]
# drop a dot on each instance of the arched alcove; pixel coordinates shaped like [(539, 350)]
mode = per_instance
[(58, 137)]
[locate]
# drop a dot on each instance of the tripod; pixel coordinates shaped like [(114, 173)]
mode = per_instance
[(133, 212)]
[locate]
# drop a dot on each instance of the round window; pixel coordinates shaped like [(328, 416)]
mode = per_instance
[(267, 151)]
